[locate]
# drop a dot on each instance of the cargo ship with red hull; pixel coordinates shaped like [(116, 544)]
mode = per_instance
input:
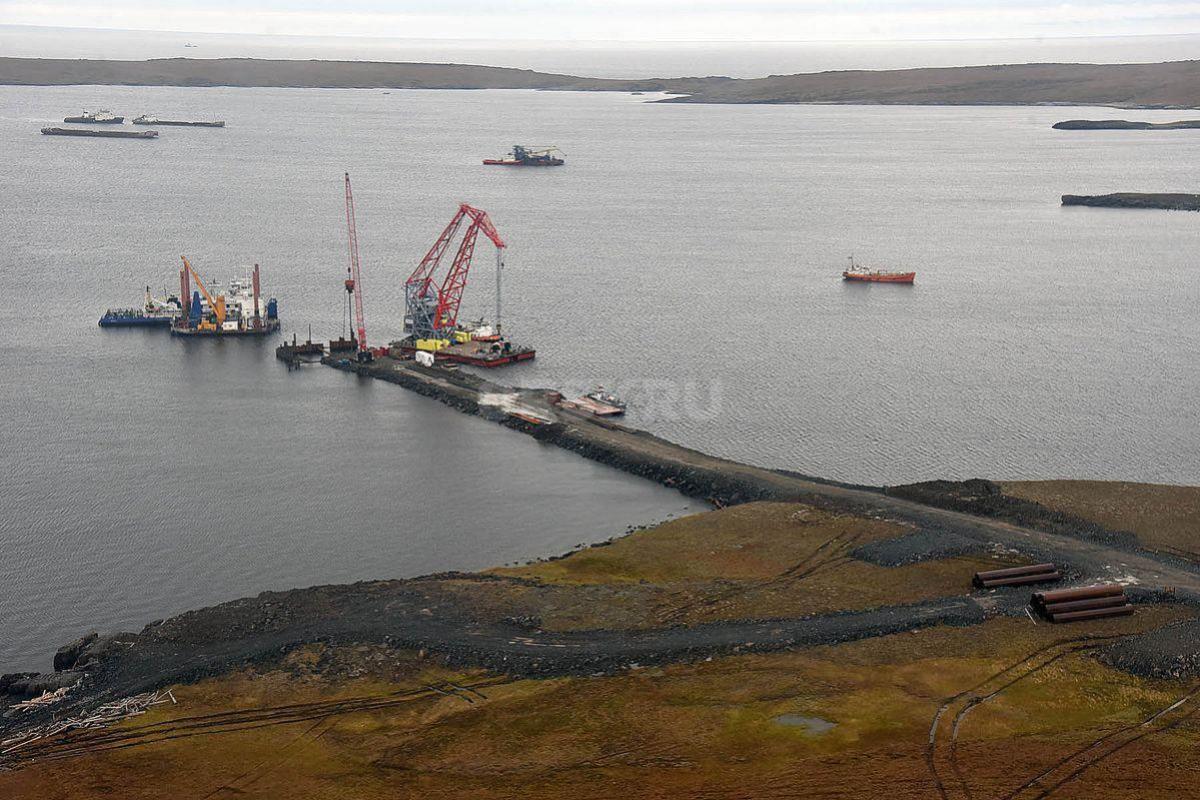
[(860, 274), (522, 156)]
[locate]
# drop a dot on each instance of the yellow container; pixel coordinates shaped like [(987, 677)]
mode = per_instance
[(432, 345), (462, 336)]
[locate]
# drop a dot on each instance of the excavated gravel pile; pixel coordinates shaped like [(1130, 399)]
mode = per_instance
[(987, 499), (1169, 652), (912, 548)]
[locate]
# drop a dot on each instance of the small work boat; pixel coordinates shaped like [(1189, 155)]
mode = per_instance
[(154, 313), (859, 273)]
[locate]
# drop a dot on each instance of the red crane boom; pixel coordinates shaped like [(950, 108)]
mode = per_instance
[(450, 295), (354, 281), (422, 276)]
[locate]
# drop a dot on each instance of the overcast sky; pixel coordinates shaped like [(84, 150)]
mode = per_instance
[(761, 20)]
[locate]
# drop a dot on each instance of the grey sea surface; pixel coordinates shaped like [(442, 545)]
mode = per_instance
[(687, 257)]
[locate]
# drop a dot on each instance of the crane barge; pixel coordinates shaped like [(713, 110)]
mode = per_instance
[(521, 156), (238, 311), (432, 308)]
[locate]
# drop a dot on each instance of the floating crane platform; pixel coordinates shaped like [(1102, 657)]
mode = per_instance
[(268, 327), (521, 156), (474, 353)]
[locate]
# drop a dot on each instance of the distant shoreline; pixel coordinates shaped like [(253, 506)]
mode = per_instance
[(1169, 85), (1169, 201)]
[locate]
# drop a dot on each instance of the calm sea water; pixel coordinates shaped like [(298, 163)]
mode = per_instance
[(687, 256)]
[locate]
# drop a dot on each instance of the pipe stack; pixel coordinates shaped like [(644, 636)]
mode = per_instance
[(1017, 576), (1087, 602)]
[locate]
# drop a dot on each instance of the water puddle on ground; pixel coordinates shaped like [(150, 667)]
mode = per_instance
[(813, 725)]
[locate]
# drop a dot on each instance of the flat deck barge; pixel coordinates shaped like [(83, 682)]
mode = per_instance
[(475, 353), (268, 327), (100, 134)]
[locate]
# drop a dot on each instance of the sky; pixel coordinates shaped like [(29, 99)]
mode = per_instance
[(624, 20)]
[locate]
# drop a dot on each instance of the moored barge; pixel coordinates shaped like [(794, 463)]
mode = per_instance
[(146, 119), (100, 134)]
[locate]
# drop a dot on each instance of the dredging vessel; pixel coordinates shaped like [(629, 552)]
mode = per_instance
[(522, 156), (101, 134), (101, 117), (154, 313), (146, 119), (238, 311), (859, 273)]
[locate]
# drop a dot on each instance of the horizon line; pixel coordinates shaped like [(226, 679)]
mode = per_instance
[(610, 41)]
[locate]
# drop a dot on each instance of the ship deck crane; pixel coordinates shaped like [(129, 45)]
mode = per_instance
[(354, 276), (217, 305), (432, 312)]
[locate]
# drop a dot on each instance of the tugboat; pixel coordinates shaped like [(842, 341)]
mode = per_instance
[(522, 156), (860, 273), (101, 117), (154, 313), (146, 119)]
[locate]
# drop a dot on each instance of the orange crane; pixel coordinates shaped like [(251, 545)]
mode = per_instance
[(215, 305)]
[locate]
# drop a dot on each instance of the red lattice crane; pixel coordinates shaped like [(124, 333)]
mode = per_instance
[(354, 276), (433, 312)]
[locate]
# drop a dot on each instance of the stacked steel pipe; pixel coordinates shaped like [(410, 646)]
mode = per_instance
[(1017, 576), (1087, 602)]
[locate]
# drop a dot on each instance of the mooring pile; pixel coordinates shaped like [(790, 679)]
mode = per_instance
[(1017, 576), (101, 717), (1086, 602)]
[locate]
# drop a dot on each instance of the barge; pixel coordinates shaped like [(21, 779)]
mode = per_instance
[(101, 117), (472, 352), (598, 403), (146, 119), (100, 134)]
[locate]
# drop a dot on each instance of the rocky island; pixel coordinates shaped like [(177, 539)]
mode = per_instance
[(1177, 201), (1123, 125)]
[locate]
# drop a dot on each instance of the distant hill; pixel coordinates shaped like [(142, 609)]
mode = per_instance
[(1123, 125), (1176, 201), (1167, 85)]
